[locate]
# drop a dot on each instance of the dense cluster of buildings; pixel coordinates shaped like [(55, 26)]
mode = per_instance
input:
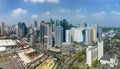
[(58, 34), (54, 32)]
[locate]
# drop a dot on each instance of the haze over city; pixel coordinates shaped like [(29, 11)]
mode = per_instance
[(103, 12)]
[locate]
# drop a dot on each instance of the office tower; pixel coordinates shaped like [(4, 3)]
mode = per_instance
[(36, 31), (82, 25), (89, 36), (91, 54), (100, 49), (94, 30), (57, 23), (78, 37), (22, 29), (42, 32), (72, 34), (83, 34), (32, 39), (99, 33), (64, 24), (68, 36), (59, 36), (51, 21), (35, 24), (2, 28), (19, 33), (70, 26), (46, 34)]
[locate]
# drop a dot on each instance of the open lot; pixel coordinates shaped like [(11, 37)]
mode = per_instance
[(6, 62)]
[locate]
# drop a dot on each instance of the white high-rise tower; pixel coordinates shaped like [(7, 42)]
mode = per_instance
[(100, 49)]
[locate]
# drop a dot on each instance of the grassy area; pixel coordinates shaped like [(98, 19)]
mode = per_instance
[(3, 58), (95, 63)]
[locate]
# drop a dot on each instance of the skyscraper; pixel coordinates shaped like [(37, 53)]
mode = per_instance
[(99, 33), (91, 54), (89, 36), (22, 29), (100, 49), (68, 36), (35, 24), (42, 32), (59, 36), (46, 34), (78, 37), (94, 30), (64, 24), (2, 28)]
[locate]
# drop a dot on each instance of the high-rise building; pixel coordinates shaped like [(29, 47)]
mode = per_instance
[(35, 24), (100, 49), (46, 34), (89, 36), (91, 54), (64, 25), (42, 32), (59, 36), (99, 33), (22, 29), (83, 34), (78, 37), (72, 34), (2, 28), (68, 36), (32, 39), (94, 30)]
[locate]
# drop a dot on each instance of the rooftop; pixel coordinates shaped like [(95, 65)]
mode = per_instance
[(7, 42)]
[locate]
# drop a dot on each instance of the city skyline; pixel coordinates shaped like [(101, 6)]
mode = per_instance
[(103, 12)]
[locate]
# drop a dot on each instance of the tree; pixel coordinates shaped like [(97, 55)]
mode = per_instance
[(75, 67), (94, 63)]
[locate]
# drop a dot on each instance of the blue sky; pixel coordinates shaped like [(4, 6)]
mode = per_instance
[(103, 12)]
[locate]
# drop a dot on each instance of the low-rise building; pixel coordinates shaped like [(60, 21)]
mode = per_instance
[(109, 59), (66, 48)]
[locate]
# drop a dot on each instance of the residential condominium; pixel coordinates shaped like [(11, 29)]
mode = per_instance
[(91, 54)]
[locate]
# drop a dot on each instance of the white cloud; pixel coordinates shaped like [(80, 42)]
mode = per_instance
[(115, 12), (99, 14), (47, 13), (43, 1), (80, 16), (34, 16), (64, 10), (25, 0), (53, 1), (78, 10), (40, 1), (18, 11)]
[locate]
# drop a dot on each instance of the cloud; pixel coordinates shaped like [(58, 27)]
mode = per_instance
[(99, 14), (34, 16), (47, 13), (79, 10), (80, 16), (64, 10), (42, 1), (115, 12), (18, 11), (53, 1)]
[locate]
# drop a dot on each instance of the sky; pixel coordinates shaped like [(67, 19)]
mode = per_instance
[(102, 12)]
